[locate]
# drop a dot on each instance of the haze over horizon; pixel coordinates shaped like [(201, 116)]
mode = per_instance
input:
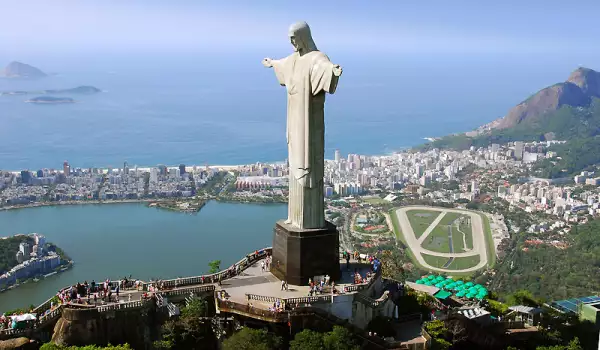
[(462, 27), (171, 70)]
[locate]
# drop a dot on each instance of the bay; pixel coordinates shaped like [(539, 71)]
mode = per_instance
[(116, 240)]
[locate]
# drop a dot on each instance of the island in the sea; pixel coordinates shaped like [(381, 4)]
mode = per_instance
[(186, 206), (83, 90), (50, 100), (26, 257), (21, 70)]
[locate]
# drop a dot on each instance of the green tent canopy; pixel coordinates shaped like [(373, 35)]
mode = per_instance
[(439, 278), (460, 294), (469, 284), (460, 282), (428, 283), (478, 286), (442, 294), (419, 282), (438, 285)]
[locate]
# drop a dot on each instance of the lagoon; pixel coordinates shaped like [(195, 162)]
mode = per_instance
[(116, 240)]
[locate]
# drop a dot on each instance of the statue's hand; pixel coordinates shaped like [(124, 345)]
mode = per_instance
[(267, 62), (337, 70)]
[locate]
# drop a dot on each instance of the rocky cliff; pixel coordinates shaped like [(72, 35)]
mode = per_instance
[(21, 70), (88, 326), (577, 91)]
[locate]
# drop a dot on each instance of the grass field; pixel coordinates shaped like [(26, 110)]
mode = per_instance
[(374, 200), (464, 262), (438, 241), (435, 261), (421, 219), (457, 240), (457, 264), (457, 237)]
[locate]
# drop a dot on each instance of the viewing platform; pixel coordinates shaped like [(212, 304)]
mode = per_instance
[(244, 289)]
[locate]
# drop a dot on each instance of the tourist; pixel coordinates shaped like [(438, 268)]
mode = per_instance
[(282, 284), (347, 261), (262, 266), (286, 286)]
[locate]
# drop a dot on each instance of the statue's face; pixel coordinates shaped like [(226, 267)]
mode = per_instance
[(294, 43)]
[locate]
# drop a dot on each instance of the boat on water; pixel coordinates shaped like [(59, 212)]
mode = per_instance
[(36, 279), (50, 274)]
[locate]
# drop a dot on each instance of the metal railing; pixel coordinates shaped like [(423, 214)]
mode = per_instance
[(267, 299), (199, 289), (43, 320), (233, 307), (232, 271), (121, 306), (310, 300), (369, 301)]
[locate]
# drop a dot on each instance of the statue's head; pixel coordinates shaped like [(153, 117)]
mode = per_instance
[(301, 38)]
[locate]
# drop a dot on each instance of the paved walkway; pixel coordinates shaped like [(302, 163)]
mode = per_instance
[(255, 281), (479, 239)]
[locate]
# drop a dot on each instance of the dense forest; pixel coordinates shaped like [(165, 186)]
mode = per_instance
[(551, 273), (9, 247)]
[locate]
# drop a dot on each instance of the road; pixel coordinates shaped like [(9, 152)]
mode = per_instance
[(414, 243)]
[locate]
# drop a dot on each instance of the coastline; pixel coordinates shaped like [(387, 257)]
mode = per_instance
[(129, 201), (51, 204)]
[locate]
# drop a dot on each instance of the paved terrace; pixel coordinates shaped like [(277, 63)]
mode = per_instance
[(243, 283)]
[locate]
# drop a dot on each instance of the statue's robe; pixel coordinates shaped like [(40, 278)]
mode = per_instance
[(307, 78)]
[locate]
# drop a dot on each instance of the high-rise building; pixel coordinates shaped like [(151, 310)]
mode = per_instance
[(519, 150), (338, 156), (181, 169), (154, 175), (66, 168), (25, 248), (25, 177), (40, 173), (125, 168)]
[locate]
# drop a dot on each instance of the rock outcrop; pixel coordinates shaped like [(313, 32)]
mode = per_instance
[(21, 343), (577, 91), (21, 70), (89, 326)]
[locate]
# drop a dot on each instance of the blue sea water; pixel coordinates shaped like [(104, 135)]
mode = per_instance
[(228, 109)]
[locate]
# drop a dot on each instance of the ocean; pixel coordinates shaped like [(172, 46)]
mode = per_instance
[(228, 109)]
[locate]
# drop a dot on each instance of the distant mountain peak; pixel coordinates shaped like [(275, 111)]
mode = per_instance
[(17, 69), (588, 80), (577, 91)]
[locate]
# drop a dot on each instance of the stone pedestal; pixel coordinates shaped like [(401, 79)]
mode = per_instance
[(300, 254)]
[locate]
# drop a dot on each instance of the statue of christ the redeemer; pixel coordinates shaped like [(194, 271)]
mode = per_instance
[(307, 75)]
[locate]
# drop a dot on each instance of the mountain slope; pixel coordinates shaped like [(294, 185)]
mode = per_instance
[(577, 91)]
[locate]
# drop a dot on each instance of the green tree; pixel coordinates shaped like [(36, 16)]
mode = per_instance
[(52, 346), (190, 330), (340, 338), (438, 332), (215, 266), (252, 339), (196, 308), (523, 297), (307, 340)]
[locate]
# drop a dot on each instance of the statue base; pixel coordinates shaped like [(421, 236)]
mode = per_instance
[(300, 254)]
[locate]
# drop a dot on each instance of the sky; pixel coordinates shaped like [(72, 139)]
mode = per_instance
[(378, 28)]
